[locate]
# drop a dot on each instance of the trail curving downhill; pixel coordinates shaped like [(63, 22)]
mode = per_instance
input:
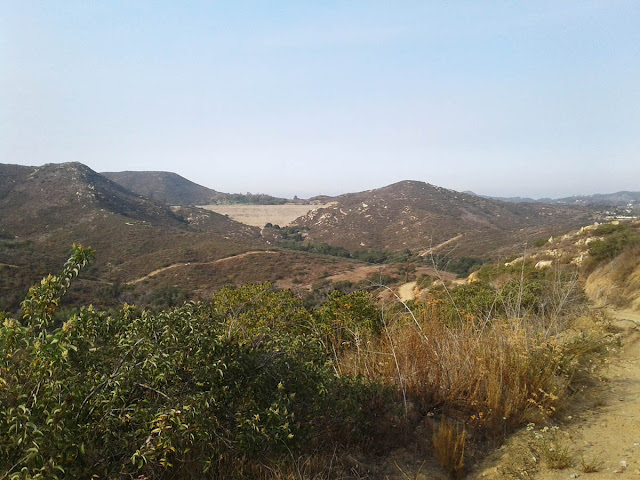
[(440, 245), (191, 264)]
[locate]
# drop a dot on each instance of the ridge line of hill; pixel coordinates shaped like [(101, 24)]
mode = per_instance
[(173, 189)]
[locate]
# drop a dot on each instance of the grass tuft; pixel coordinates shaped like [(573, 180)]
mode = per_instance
[(591, 465), (448, 444)]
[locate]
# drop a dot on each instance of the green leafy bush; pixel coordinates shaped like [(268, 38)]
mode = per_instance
[(345, 319), (617, 239), (541, 242), (461, 266), (239, 386), (609, 228), (218, 389)]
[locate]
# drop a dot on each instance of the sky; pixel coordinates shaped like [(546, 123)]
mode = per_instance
[(505, 98)]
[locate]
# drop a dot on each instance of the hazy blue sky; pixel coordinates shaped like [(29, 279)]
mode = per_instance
[(533, 98)]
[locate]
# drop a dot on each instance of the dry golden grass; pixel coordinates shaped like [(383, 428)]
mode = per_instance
[(448, 445), (491, 377), (488, 377)]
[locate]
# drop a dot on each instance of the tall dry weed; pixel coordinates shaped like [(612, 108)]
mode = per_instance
[(449, 442), (493, 374), (487, 373), (493, 377)]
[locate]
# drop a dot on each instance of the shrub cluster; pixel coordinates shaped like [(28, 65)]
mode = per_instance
[(293, 238), (239, 386), (219, 388), (616, 239)]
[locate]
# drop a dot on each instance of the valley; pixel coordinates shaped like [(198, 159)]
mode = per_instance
[(47, 209), (415, 330), (260, 215), (319, 240)]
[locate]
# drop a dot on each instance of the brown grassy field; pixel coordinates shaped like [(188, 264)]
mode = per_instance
[(259, 215)]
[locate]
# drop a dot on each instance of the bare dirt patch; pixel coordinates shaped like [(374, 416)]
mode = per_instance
[(369, 271), (259, 215), (406, 291)]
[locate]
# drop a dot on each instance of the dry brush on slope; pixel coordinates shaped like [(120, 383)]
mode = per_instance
[(417, 215), (254, 375)]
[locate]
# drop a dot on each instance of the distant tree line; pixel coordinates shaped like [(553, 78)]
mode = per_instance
[(253, 198)]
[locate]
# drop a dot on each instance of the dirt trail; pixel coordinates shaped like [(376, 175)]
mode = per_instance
[(177, 265), (364, 272), (625, 316), (611, 432), (605, 430), (406, 291), (446, 242)]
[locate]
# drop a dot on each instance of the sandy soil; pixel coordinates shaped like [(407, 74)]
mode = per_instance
[(369, 271), (361, 273), (406, 291), (259, 215)]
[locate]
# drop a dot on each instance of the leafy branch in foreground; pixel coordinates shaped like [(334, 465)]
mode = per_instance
[(216, 389), (43, 298)]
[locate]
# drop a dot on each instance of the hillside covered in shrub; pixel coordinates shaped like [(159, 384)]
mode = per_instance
[(249, 383)]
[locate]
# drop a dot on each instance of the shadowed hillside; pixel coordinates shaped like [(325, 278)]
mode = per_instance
[(172, 189)]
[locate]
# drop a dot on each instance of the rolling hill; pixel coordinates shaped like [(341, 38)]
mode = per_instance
[(617, 199), (145, 246), (146, 250), (47, 209), (417, 215), (56, 196), (71, 197), (172, 189)]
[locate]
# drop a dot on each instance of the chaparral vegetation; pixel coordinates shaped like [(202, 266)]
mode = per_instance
[(254, 384)]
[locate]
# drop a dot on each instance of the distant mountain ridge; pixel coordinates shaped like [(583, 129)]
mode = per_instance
[(173, 189), (166, 187), (417, 215), (511, 199), (147, 252), (616, 199), (72, 199)]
